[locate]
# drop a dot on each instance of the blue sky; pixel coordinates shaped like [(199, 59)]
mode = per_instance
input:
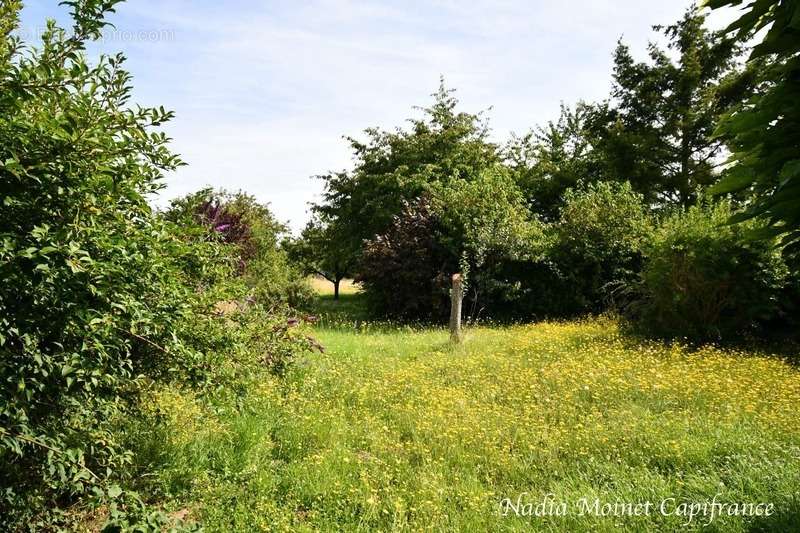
[(264, 91)]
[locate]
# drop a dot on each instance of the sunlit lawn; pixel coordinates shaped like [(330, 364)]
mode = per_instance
[(395, 430), (324, 287)]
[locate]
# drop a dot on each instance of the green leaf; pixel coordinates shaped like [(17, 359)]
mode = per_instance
[(114, 492), (735, 181)]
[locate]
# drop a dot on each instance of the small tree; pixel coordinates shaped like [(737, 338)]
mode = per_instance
[(485, 224), (323, 251)]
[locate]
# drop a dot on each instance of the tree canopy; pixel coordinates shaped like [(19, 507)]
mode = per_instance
[(553, 158), (764, 131), (657, 130), (393, 167)]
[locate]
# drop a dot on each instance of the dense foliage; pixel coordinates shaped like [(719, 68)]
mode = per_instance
[(408, 255), (473, 226), (705, 279), (557, 222), (101, 297), (109, 310), (256, 237), (485, 227), (92, 285), (597, 245), (764, 132)]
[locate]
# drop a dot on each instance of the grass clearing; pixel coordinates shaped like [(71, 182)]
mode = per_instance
[(325, 287), (396, 430)]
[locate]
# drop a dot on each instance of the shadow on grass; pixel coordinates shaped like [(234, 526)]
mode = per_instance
[(351, 312), (785, 518), (349, 308)]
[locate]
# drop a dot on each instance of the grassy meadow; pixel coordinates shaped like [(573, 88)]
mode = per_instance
[(167, 364), (393, 429)]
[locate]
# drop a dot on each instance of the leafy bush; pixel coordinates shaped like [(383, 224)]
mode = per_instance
[(240, 220), (404, 272), (707, 280), (100, 297), (596, 243), (486, 225), (89, 285), (469, 226)]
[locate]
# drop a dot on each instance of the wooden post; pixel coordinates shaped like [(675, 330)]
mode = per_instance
[(456, 297)]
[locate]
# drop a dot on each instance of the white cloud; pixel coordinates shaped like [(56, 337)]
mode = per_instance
[(264, 91)]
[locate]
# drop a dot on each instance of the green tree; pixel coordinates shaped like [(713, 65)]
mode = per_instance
[(321, 250), (392, 168), (658, 133), (96, 293), (484, 225), (764, 133), (551, 159), (597, 243)]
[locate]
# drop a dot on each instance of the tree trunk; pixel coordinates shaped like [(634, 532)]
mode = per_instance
[(456, 297), (336, 289)]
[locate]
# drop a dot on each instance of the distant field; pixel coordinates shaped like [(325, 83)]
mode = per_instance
[(395, 430), (323, 287)]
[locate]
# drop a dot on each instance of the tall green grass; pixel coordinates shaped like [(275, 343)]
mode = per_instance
[(394, 429)]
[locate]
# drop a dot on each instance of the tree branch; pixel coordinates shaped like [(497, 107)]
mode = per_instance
[(41, 444)]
